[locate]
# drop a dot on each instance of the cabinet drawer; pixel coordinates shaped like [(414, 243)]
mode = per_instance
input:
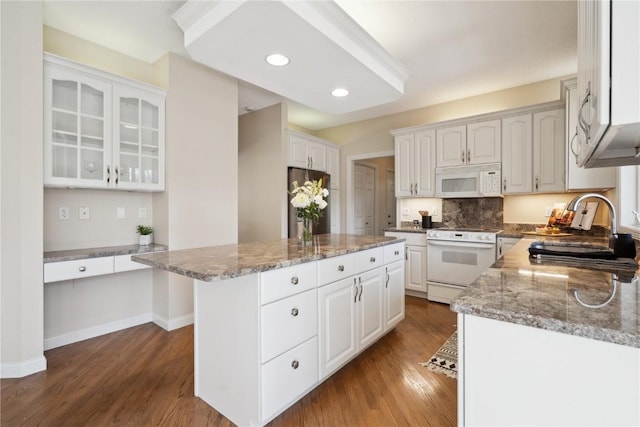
[(284, 282), (393, 252), (336, 268), (288, 322), (371, 258), (124, 263), (77, 269), (286, 377)]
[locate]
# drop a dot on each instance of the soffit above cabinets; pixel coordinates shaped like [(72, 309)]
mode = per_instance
[(326, 47)]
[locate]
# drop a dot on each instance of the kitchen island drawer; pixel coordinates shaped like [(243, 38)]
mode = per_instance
[(287, 323), (393, 253), (284, 282), (286, 377), (77, 269), (336, 268), (369, 259)]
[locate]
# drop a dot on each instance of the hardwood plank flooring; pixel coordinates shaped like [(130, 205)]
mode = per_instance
[(143, 376)]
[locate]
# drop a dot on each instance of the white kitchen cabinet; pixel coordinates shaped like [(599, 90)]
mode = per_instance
[(415, 255), (370, 306), (608, 83), (533, 152), (88, 267), (415, 164), (578, 178), (394, 294), (515, 375), (101, 130), (504, 245), (549, 147), (307, 152), (469, 144), (333, 166), (517, 152)]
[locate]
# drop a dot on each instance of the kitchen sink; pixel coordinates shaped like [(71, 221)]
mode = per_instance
[(571, 249)]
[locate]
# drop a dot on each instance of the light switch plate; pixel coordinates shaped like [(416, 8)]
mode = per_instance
[(142, 212), (63, 213), (121, 213)]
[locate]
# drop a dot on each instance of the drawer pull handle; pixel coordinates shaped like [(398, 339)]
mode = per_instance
[(396, 252), (295, 364), (372, 259), (82, 269), (294, 312), (341, 268), (294, 280)]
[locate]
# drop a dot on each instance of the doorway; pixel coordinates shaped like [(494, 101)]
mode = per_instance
[(384, 202), (364, 186)]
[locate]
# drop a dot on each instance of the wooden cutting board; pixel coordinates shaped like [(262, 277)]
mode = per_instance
[(533, 233)]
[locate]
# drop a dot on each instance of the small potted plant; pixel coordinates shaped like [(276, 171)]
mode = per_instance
[(146, 234)]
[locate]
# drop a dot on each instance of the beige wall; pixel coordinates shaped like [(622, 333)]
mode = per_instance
[(21, 155), (262, 174), (200, 204)]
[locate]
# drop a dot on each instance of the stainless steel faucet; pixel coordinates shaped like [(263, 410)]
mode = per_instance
[(573, 206)]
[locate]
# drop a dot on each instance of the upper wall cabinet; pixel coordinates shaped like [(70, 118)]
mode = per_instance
[(608, 83), (333, 166), (469, 144), (533, 153), (415, 155), (100, 130), (307, 153), (577, 178)]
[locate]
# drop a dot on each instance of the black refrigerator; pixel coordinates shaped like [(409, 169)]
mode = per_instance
[(323, 225)]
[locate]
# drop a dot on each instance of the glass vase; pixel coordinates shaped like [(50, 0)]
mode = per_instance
[(307, 232)]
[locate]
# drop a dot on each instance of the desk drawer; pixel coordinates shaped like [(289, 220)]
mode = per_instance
[(77, 269), (124, 263)]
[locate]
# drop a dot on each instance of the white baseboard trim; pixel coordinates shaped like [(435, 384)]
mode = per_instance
[(22, 369), (96, 331), (170, 325)]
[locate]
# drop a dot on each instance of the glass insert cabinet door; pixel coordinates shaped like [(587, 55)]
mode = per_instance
[(77, 129), (138, 136)]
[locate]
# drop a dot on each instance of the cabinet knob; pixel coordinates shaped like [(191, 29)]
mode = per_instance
[(463, 156), (396, 252), (294, 312), (341, 268), (82, 269), (294, 280), (295, 364), (468, 156), (372, 259)]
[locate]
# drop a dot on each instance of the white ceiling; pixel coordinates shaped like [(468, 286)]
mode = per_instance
[(451, 49)]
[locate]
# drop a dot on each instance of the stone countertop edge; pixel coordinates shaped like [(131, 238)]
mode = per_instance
[(223, 262), (77, 254), (498, 294)]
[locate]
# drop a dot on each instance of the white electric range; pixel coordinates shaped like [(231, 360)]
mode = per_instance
[(455, 258)]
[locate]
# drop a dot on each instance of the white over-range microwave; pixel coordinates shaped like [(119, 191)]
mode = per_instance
[(468, 181)]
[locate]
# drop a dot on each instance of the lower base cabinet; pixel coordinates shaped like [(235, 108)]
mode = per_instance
[(264, 340)]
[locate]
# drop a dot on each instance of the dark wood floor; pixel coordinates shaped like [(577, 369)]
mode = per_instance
[(143, 376)]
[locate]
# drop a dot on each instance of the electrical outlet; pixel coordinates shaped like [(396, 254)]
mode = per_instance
[(63, 214), (142, 212), (547, 211), (84, 212), (121, 213), (434, 211), (405, 211)]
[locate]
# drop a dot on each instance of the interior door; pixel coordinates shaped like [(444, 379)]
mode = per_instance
[(390, 200), (364, 188)]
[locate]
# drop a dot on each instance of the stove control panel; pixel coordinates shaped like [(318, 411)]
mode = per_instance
[(462, 236)]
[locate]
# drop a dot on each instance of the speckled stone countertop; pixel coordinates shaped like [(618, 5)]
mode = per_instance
[(584, 300), (70, 255), (227, 261)]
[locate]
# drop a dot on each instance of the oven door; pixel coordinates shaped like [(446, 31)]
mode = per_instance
[(458, 263)]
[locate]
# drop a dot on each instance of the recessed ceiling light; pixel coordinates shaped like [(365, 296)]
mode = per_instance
[(339, 92), (277, 60)]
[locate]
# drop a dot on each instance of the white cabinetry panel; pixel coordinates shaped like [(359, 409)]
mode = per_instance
[(77, 269)]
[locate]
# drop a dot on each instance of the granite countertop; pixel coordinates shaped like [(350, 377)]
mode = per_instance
[(75, 254), (524, 291), (227, 261)]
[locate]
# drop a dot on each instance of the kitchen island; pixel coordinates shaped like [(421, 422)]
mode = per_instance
[(275, 319), (549, 343)]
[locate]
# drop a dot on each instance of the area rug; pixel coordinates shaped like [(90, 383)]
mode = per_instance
[(445, 361)]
